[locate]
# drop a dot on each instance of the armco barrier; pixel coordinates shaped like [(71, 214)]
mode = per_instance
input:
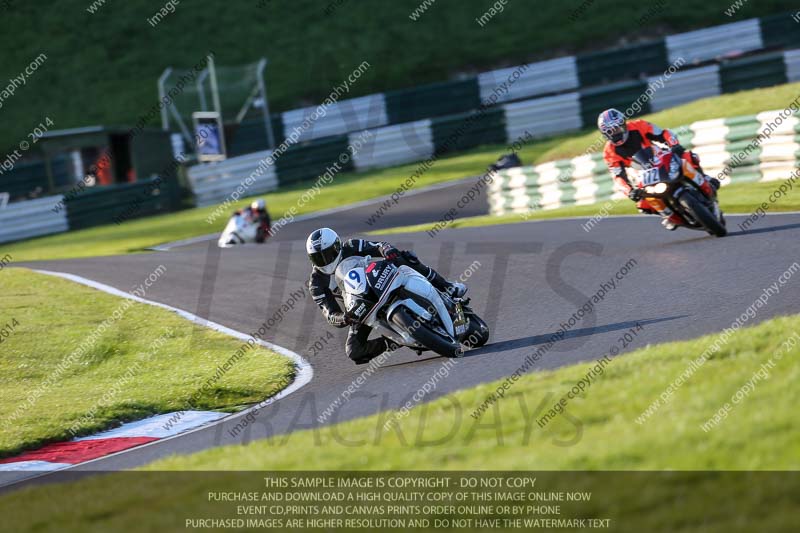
[(716, 42), (251, 136), (396, 145), (620, 95), (792, 61), (308, 160), (30, 176), (764, 147), (418, 103), (608, 66), (543, 116), (214, 182), (340, 118), (468, 130), (32, 218), (780, 31), (119, 203), (753, 72), (686, 86), (544, 77)]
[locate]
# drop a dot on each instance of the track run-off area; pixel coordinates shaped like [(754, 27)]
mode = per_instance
[(530, 281)]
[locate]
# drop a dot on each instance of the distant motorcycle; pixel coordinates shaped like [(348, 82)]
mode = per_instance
[(240, 229), (668, 178), (402, 305)]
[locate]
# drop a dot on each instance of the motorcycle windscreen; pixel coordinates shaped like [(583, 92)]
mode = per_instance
[(380, 276)]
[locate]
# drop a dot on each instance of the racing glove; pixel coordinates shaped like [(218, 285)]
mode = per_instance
[(389, 252), (636, 194), (678, 150), (338, 320)]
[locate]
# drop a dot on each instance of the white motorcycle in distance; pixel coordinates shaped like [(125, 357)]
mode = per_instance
[(400, 304), (239, 230)]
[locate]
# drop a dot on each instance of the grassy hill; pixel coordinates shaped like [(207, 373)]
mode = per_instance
[(102, 67)]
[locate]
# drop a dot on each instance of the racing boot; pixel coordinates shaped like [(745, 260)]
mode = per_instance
[(456, 289), (670, 221), (375, 350)]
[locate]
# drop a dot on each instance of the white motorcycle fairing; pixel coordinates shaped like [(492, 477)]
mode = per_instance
[(238, 230), (349, 279)]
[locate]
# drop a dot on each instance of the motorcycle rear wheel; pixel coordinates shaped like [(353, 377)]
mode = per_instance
[(425, 336), (701, 214)]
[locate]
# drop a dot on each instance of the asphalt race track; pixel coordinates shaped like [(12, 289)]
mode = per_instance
[(528, 279)]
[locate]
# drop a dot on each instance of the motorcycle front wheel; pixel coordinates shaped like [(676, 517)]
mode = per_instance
[(702, 214), (478, 331), (425, 336)]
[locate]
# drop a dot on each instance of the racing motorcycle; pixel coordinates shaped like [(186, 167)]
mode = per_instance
[(666, 177), (401, 304), (240, 229)]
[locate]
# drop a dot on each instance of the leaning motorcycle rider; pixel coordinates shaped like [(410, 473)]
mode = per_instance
[(325, 251), (625, 139), (258, 214)]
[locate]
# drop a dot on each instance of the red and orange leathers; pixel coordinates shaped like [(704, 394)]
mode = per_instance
[(641, 134)]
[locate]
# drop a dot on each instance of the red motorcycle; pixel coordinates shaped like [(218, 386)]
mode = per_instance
[(669, 180)]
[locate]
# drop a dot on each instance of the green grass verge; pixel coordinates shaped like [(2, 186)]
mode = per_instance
[(599, 432), (134, 236), (117, 81), (147, 361), (738, 198)]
